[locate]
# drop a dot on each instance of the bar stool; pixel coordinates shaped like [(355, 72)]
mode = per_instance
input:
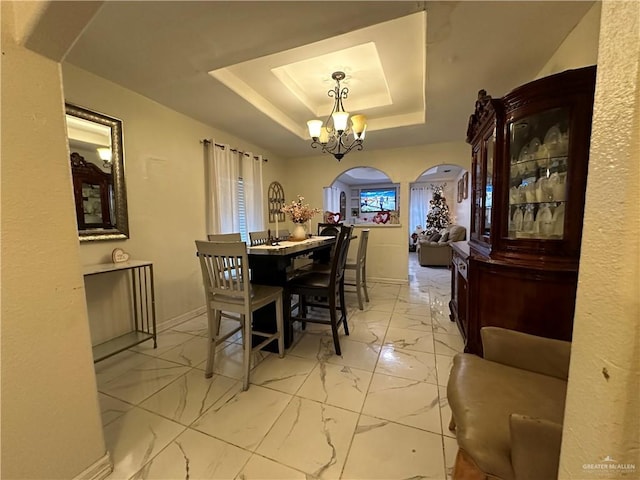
[(360, 267), (225, 276)]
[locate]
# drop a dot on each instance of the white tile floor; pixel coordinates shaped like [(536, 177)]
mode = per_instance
[(377, 412)]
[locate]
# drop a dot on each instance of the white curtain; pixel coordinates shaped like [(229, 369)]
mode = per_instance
[(222, 171), (253, 191), (418, 207), (331, 200)]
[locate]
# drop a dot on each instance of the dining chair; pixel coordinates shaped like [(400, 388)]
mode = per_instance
[(313, 286), (360, 267), (224, 237), (283, 234), (225, 276), (258, 238), (328, 229)]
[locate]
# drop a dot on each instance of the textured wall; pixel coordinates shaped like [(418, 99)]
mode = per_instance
[(48, 381), (603, 400)]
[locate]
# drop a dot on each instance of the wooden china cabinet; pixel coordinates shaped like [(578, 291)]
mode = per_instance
[(530, 152)]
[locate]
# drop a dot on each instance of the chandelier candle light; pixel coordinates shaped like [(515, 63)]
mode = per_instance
[(333, 136), (299, 213)]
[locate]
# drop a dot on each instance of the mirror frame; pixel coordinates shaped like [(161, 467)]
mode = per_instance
[(121, 230)]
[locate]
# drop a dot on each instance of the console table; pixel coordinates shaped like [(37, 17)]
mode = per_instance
[(141, 290)]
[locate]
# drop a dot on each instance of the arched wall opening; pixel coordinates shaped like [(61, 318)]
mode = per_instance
[(454, 182), (362, 195)]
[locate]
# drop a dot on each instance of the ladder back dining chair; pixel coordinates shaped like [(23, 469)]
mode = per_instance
[(259, 238), (225, 276), (313, 285)]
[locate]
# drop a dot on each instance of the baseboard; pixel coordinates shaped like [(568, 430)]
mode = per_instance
[(172, 322), (392, 281), (98, 471)]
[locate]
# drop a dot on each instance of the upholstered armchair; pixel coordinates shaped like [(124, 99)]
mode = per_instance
[(507, 408), (435, 250)]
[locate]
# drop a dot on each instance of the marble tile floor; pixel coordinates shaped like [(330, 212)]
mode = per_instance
[(379, 411)]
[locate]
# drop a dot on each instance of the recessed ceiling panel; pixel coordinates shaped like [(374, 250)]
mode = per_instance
[(310, 79), (385, 67)]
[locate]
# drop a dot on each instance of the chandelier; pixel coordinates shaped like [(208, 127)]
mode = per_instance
[(336, 136)]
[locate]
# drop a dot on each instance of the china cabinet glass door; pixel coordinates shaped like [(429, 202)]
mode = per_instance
[(538, 153), (488, 185)]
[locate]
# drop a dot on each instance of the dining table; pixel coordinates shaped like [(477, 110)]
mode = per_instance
[(272, 264)]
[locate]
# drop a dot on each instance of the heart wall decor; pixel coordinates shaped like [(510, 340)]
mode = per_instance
[(382, 217), (331, 217), (118, 256)]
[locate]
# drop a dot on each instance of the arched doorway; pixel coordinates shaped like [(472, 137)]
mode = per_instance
[(439, 196), (369, 197)]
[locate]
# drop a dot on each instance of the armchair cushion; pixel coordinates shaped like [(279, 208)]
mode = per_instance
[(483, 395), (523, 351), (535, 443)]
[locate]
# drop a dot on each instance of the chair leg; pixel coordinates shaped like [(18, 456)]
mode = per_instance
[(359, 289), (334, 324), (213, 324), (364, 282), (288, 323), (280, 327), (246, 349), (343, 308), (302, 309)]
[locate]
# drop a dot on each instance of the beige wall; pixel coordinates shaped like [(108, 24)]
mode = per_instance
[(51, 426), (603, 400), (580, 48), (388, 245), (164, 174)]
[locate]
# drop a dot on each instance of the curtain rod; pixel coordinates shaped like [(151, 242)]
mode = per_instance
[(207, 142)]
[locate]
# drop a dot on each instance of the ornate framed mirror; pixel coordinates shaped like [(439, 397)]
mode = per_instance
[(97, 167)]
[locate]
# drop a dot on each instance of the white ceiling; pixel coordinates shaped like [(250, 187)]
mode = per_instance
[(268, 59)]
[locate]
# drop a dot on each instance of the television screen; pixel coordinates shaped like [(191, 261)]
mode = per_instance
[(377, 199)]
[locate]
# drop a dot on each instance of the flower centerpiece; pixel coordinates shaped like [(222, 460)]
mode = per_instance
[(299, 213)]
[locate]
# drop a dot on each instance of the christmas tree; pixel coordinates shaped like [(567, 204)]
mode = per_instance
[(438, 216)]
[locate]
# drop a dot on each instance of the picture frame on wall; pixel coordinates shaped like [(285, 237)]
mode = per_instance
[(465, 185), (460, 187)]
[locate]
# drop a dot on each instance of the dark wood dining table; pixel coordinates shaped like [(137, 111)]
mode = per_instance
[(273, 265)]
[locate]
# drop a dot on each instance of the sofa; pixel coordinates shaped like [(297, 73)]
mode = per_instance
[(435, 250), (508, 407)]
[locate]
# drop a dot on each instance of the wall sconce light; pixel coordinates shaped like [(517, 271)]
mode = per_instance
[(105, 155)]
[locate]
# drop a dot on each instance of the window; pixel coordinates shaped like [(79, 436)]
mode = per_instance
[(242, 212)]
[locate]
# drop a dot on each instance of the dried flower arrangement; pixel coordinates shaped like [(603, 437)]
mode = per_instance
[(298, 211)]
